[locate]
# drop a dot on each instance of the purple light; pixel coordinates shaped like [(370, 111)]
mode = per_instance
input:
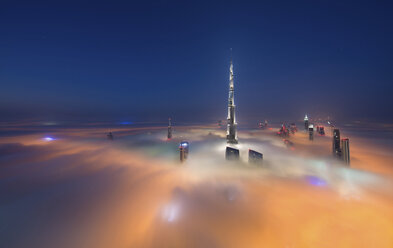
[(313, 180), (48, 139), (171, 212)]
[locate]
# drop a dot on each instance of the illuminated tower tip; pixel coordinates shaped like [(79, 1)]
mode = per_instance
[(231, 125), (306, 122)]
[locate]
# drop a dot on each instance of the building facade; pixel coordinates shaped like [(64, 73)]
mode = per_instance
[(336, 143), (345, 150)]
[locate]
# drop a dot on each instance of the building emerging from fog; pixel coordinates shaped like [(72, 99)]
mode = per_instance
[(345, 150), (336, 143), (254, 157), (231, 153), (231, 126), (183, 148), (311, 132), (306, 122)]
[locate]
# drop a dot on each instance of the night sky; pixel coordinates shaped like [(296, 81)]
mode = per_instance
[(140, 61)]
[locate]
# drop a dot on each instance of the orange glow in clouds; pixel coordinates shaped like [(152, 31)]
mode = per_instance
[(82, 190)]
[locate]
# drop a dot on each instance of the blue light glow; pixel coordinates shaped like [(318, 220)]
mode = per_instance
[(125, 123), (313, 180), (48, 139), (184, 144)]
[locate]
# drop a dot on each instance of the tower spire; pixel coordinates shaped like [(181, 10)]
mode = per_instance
[(231, 125)]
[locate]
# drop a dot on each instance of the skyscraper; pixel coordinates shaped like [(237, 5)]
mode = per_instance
[(306, 122), (311, 132), (183, 148), (345, 150), (254, 157), (169, 129), (336, 143), (231, 153), (231, 126)]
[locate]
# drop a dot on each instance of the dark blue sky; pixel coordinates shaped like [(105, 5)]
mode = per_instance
[(147, 61)]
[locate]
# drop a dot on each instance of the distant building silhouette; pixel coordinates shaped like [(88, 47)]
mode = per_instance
[(109, 136), (169, 129)]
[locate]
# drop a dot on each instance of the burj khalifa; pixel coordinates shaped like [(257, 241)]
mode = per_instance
[(231, 126)]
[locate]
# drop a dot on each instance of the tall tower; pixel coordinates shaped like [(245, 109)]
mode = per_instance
[(306, 122), (231, 126), (169, 129)]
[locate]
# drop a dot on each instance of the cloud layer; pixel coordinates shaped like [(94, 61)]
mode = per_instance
[(81, 190)]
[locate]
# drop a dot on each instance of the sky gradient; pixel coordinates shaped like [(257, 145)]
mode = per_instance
[(123, 60)]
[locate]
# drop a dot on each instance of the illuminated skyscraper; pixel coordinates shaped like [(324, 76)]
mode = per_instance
[(183, 148), (231, 126), (306, 122), (336, 143), (169, 129), (311, 132), (345, 150)]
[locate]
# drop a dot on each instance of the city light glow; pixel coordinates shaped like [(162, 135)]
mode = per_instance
[(136, 188)]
